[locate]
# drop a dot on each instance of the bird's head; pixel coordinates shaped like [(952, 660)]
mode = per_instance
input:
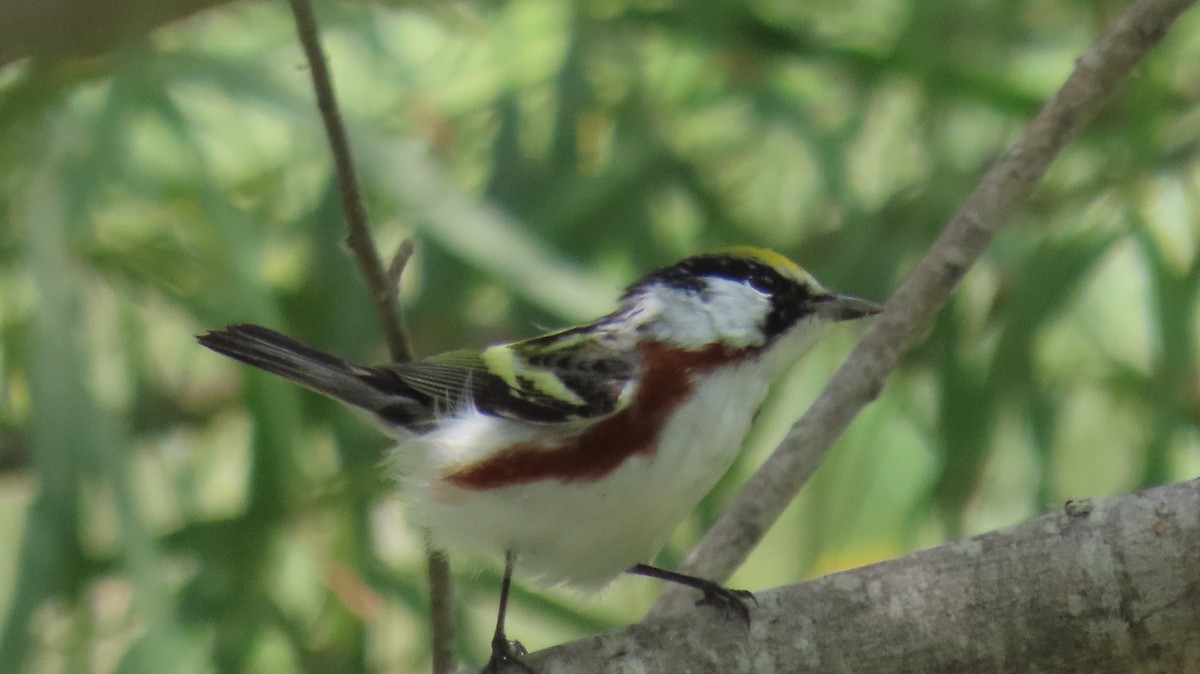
[(739, 298)]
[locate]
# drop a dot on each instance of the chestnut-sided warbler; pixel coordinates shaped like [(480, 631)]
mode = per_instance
[(576, 454)]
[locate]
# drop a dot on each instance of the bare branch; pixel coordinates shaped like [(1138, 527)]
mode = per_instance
[(55, 29), (911, 309), (384, 293), (1104, 587), (441, 610), (399, 263), (385, 289)]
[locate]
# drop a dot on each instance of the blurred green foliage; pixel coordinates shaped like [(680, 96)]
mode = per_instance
[(170, 511)]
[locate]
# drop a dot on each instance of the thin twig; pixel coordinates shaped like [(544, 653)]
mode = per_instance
[(404, 253), (441, 610), (384, 286), (911, 309), (358, 237)]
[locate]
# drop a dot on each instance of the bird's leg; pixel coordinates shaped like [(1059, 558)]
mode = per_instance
[(715, 594), (503, 650)]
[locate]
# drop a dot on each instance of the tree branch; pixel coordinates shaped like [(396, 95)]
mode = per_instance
[(911, 309), (384, 293), (70, 28), (1111, 586), (384, 286)]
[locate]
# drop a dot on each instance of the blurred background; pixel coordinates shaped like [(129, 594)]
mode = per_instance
[(165, 510)]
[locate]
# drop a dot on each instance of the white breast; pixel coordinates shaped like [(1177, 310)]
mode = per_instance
[(585, 533)]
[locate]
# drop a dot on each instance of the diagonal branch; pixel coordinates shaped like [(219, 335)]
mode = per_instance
[(58, 29), (911, 309)]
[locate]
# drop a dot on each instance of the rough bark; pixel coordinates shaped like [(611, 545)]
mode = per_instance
[(1110, 586)]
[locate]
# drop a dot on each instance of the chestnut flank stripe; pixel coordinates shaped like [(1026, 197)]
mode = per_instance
[(669, 376)]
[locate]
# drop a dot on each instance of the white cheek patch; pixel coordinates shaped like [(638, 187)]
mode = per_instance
[(726, 311)]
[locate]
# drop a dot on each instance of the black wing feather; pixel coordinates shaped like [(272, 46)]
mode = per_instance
[(414, 395)]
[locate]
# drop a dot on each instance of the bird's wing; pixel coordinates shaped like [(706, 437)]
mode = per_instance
[(550, 379)]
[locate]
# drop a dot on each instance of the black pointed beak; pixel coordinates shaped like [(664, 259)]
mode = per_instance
[(845, 308)]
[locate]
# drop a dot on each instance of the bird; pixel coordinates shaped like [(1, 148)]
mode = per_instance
[(576, 454)]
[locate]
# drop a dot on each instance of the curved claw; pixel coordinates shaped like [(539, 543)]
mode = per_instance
[(505, 652), (728, 599)]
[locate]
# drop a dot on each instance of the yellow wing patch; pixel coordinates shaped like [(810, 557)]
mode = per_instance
[(502, 362)]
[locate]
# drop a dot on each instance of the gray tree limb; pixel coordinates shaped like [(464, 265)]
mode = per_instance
[(1111, 586), (67, 28)]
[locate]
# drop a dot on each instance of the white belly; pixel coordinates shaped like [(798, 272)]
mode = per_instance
[(584, 532)]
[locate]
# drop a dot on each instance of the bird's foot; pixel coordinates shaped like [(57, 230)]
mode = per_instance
[(505, 652), (715, 594), (732, 601)]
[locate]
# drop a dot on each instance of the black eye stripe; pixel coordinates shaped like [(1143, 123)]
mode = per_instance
[(788, 307)]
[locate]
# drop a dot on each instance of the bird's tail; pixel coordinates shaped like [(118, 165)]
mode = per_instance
[(356, 385)]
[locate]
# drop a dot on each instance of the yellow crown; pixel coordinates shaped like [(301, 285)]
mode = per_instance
[(778, 262)]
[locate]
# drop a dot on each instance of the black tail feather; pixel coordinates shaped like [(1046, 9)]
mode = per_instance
[(269, 350), (355, 385)]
